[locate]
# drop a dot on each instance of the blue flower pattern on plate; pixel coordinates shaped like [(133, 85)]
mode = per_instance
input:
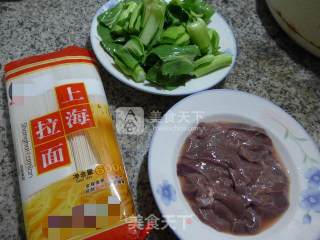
[(311, 200), (311, 197), (307, 218), (167, 193), (313, 176)]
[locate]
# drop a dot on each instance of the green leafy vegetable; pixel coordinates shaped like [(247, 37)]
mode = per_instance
[(167, 52), (175, 35), (134, 18), (198, 8), (181, 11), (204, 60), (219, 61), (177, 66), (104, 33), (135, 47), (154, 73), (129, 65), (215, 40), (137, 25), (139, 74), (120, 40), (176, 14), (110, 48), (126, 70), (155, 76), (153, 20), (183, 40), (198, 32), (129, 8), (163, 43), (127, 58), (117, 30), (110, 17)]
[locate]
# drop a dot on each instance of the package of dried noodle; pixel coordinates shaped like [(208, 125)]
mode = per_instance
[(72, 179)]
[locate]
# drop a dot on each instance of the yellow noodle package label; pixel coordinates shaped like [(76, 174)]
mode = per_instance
[(72, 179)]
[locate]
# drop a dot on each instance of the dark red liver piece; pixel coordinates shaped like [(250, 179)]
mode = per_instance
[(232, 178)]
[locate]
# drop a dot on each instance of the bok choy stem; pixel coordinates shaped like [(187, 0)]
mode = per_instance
[(219, 61), (153, 21)]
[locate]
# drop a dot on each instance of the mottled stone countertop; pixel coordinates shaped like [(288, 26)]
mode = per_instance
[(269, 64)]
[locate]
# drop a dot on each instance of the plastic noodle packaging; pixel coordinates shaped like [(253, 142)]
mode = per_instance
[(72, 180)]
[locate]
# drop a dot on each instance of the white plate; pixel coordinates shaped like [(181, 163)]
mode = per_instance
[(227, 43), (295, 147)]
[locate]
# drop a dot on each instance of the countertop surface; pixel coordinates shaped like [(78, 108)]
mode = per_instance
[(269, 64)]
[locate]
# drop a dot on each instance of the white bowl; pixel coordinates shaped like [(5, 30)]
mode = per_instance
[(300, 20), (227, 44), (297, 150)]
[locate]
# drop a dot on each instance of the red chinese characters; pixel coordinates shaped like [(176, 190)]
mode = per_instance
[(47, 128), (52, 155), (51, 150), (76, 112), (49, 131), (77, 118), (71, 94)]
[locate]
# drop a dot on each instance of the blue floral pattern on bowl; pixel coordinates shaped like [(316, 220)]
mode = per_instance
[(167, 193), (310, 198)]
